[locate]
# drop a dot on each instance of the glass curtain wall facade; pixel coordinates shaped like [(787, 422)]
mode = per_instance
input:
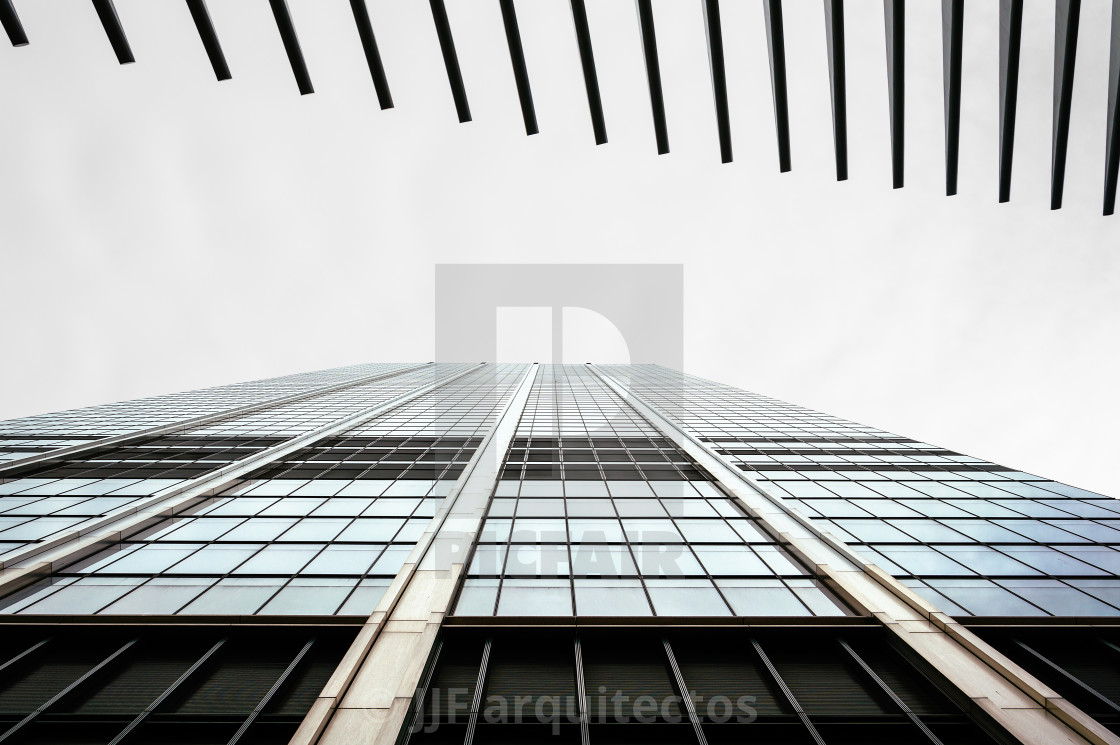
[(656, 557), (973, 537), (597, 514), (22, 438), (75, 492)]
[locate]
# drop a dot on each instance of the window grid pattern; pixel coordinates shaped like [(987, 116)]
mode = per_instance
[(296, 543), (130, 416), (56, 498), (597, 514), (973, 537), (14, 448)]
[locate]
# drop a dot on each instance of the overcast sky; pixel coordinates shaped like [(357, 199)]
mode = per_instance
[(164, 231)]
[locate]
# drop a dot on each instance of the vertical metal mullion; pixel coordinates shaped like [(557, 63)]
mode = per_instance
[(111, 22), (1069, 676), (12, 26), (450, 59), (509, 549), (1112, 114), (581, 693), (167, 692), (66, 691), (686, 697), (790, 698), (653, 74), (838, 82), (520, 70), (1109, 644), (776, 46), (373, 56), (209, 36), (287, 31), (590, 76), (713, 29), (952, 55), (29, 651), (894, 13), (416, 714), (271, 692), (476, 700), (571, 567), (1066, 23), (1010, 42), (882, 684), (469, 558)]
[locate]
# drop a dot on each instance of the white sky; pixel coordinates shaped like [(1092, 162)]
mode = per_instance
[(163, 231)]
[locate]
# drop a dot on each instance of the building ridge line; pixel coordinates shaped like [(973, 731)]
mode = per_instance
[(313, 728), (8, 471)]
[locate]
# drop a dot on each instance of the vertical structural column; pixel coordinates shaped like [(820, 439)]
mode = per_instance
[(886, 689), (209, 36), (952, 54), (787, 694), (684, 693), (12, 26), (520, 71), (479, 687), (581, 693), (450, 59), (373, 56), (713, 29), (111, 22), (590, 76), (168, 692), (1066, 22), (371, 692), (837, 79), (1010, 41), (288, 36), (25, 653), (776, 46), (277, 684), (894, 14), (1112, 132), (653, 74)]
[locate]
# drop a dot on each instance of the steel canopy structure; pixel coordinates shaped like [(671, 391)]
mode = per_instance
[(1067, 14)]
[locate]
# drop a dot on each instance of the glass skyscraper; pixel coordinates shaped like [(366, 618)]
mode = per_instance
[(437, 553)]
